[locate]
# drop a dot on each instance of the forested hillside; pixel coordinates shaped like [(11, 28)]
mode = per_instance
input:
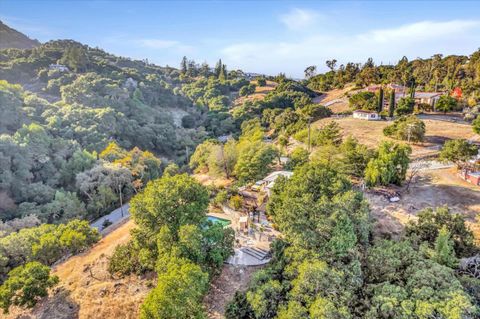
[(11, 38), (81, 128), (438, 73)]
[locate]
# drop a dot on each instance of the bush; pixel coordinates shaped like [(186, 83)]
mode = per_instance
[(26, 285), (405, 106), (261, 82), (247, 89), (406, 128), (125, 260), (239, 307), (446, 103), (188, 121), (236, 202), (220, 198)]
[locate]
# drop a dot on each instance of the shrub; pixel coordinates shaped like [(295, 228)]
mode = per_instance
[(26, 285), (405, 106), (406, 128)]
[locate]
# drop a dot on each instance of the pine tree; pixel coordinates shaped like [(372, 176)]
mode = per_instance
[(391, 106), (183, 66), (444, 253), (222, 76), (218, 68), (380, 101), (205, 69)]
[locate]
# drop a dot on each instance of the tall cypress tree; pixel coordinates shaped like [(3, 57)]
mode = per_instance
[(218, 68), (183, 65), (380, 100), (391, 105)]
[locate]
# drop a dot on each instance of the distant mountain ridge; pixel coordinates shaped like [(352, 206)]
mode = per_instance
[(11, 38)]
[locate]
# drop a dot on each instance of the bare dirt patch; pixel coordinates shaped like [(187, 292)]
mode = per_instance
[(223, 288), (433, 188), (87, 290)]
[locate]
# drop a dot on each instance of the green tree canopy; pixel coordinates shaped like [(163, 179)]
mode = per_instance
[(26, 285), (458, 151), (389, 166)]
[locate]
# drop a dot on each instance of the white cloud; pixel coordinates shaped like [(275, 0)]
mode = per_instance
[(421, 30), (298, 19), (423, 38)]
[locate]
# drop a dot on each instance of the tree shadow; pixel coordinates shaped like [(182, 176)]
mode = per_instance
[(59, 305)]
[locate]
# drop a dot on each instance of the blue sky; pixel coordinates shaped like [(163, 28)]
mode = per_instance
[(265, 36)]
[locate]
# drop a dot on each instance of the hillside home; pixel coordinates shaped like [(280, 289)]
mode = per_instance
[(59, 67), (430, 98), (399, 89), (268, 182), (427, 97), (366, 115)]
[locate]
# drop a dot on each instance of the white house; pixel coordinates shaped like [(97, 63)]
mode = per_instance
[(268, 182), (59, 67), (366, 115), (427, 97)]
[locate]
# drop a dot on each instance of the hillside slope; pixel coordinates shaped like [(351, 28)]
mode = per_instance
[(11, 38), (87, 290)]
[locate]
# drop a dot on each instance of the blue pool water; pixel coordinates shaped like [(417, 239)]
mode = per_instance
[(221, 221)]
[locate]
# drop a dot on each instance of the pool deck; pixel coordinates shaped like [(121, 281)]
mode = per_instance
[(244, 241), (243, 259)]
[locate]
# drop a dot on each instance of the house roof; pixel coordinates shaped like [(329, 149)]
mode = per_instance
[(274, 175), (427, 95)]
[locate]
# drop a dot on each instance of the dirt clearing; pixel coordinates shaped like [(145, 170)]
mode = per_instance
[(222, 288), (432, 188)]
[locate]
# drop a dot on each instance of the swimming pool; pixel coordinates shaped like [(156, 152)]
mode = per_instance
[(221, 221)]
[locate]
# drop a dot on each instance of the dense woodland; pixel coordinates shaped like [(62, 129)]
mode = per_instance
[(76, 142), (437, 73)]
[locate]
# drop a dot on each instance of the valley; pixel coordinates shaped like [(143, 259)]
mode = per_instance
[(352, 191)]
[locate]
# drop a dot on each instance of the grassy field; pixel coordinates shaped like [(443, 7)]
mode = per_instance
[(337, 95), (370, 133), (260, 92)]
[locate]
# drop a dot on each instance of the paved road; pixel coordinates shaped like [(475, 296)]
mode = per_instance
[(114, 217)]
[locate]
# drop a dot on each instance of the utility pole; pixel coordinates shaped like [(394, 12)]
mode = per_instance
[(121, 201), (409, 126), (309, 140)]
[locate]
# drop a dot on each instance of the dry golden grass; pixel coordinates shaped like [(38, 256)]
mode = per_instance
[(208, 180), (340, 95), (370, 133), (87, 290), (334, 94), (260, 93)]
